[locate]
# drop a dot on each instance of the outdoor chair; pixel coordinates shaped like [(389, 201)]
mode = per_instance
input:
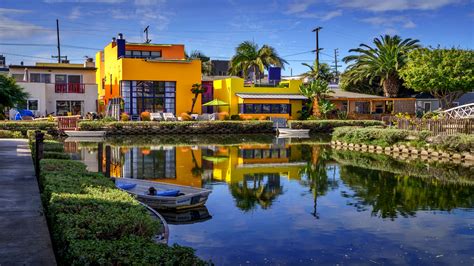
[(156, 117), (169, 117), (203, 117), (213, 116), (194, 116)]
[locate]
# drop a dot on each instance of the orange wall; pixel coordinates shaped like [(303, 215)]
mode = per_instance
[(172, 51)]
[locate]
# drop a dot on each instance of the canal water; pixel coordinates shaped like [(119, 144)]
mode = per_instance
[(281, 201)]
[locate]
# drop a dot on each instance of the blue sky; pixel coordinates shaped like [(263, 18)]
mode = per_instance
[(216, 27)]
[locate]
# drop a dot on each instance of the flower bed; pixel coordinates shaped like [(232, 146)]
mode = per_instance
[(94, 223), (327, 126), (181, 127), (9, 134)]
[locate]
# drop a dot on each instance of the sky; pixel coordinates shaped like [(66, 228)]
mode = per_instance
[(28, 28)]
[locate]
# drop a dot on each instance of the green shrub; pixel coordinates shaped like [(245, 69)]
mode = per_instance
[(94, 223), (24, 126), (370, 135), (181, 127), (8, 134), (454, 143), (327, 126), (55, 155)]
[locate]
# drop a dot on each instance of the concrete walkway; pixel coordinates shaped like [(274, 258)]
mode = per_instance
[(24, 235)]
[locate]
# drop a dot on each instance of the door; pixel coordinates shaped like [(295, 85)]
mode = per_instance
[(427, 107)]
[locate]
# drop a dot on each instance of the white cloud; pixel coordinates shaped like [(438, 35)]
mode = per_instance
[(394, 5), (75, 13), (321, 16), (391, 22), (149, 2), (11, 11), (299, 6), (84, 1), (10, 28)]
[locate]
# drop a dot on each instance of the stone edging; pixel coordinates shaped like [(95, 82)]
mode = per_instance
[(406, 152)]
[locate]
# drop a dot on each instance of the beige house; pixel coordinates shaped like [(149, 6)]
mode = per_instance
[(58, 89), (367, 106)]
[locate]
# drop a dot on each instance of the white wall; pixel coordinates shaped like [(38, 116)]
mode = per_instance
[(37, 91)]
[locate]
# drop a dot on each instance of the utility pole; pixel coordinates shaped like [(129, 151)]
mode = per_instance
[(317, 29), (336, 53), (146, 34), (59, 57)]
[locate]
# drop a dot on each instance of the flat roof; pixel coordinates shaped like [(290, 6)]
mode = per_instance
[(271, 96), (57, 66)]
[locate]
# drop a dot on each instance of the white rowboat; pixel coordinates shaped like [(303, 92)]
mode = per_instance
[(84, 134), (187, 197), (288, 132)]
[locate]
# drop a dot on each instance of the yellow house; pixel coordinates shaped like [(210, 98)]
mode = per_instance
[(283, 101), (147, 77)]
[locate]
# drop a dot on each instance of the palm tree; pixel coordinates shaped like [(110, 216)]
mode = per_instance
[(382, 61), (316, 91), (197, 89), (206, 65), (249, 56), (324, 72)]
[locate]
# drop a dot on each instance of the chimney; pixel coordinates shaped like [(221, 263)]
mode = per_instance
[(114, 41), (120, 36), (89, 62)]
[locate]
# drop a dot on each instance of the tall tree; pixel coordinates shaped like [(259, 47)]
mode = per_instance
[(11, 95), (383, 61), (197, 89), (324, 72), (249, 56), (445, 73), (316, 91), (206, 64)]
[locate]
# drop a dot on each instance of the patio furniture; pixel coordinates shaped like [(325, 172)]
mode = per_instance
[(194, 116), (213, 117), (156, 117), (169, 117)]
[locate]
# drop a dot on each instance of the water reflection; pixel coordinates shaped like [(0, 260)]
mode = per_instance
[(367, 206)]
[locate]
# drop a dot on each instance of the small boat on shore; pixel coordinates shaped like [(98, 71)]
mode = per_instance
[(164, 196), (289, 133)]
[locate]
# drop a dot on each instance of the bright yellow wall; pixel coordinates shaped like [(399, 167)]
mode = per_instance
[(226, 90), (184, 72)]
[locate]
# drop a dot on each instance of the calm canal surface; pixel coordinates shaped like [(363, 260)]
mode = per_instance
[(299, 202)]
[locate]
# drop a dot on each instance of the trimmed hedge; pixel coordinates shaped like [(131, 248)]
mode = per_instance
[(327, 126), (24, 126), (371, 136), (9, 134), (94, 223), (181, 127)]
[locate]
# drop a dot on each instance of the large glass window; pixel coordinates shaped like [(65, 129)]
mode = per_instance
[(362, 107), (265, 108), (61, 79), (41, 78), (152, 96), (18, 77), (69, 107)]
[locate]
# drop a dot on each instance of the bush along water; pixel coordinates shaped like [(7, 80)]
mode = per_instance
[(327, 126), (93, 223)]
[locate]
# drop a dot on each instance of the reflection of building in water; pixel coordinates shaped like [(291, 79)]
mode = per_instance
[(247, 160), (174, 165)]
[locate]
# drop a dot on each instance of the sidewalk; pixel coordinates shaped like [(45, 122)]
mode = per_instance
[(24, 235)]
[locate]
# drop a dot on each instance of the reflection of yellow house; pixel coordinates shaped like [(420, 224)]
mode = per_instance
[(284, 101), (240, 164)]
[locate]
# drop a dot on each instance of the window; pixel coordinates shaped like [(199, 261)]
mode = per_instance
[(40, 78), (157, 164), (142, 54), (76, 79), (362, 107), (152, 96), (264, 153), (18, 77), (65, 107), (379, 108), (61, 79), (265, 108), (427, 107), (32, 105)]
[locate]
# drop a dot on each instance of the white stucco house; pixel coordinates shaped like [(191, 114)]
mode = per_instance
[(58, 88)]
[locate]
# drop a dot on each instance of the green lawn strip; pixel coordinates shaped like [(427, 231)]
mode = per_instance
[(92, 222)]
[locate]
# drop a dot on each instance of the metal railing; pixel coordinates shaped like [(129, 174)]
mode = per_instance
[(69, 87)]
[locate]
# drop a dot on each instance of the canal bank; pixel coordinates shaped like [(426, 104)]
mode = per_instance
[(24, 238)]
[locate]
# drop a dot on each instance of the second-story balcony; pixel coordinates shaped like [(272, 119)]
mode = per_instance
[(69, 87)]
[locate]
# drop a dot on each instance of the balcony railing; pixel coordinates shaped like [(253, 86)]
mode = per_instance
[(69, 87)]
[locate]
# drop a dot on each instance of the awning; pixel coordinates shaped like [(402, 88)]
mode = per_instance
[(215, 102), (271, 96)]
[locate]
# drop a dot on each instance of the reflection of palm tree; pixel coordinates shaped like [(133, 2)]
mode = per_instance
[(263, 194), (196, 170), (316, 175)]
